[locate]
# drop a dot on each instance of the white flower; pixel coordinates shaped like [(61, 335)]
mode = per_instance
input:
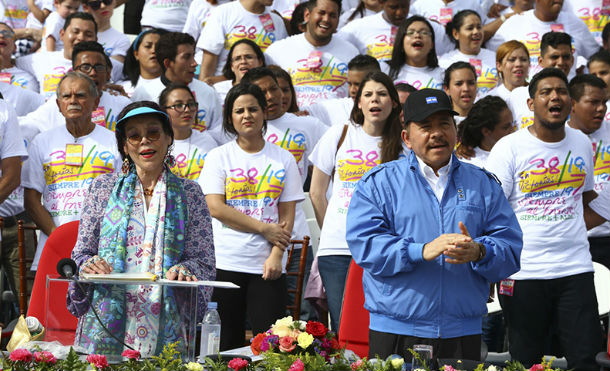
[(397, 363), (492, 368), (194, 366)]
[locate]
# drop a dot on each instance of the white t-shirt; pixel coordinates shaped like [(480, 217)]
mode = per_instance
[(317, 73), (31, 21), (11, 145), (297, 135), (49, 117), (442, 13), (358, 153), (593, 12), (52, 25), (421, 77), (47, 67), (254, 184), (231, 22), (64, 187), (601, 150), (23, 101), (371, 35), (500, 91), (114, 42), (479, 159), (198, 14), (166, 14), (190, 154), (285, 7), (343, 19), (14, 13), (142, 82), (222, 88), (517, 102), (21, 78), (528, 29), (484, 63), (601, 204), (209, 114), (333, 111), (544, 183)]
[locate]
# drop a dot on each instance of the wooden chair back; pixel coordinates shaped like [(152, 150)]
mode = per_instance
[(300, 274), (25, 274)]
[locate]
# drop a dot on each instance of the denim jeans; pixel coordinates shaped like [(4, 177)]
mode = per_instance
[(307, 311), (333, 270)]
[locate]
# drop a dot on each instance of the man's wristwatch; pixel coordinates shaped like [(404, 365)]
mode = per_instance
[(482, 252)]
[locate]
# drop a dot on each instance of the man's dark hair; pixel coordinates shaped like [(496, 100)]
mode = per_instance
[(606, 33), (545, 73), (313, 3), (578, 83), (554, 40), (90, 46), (601, 56), (363, 63), (258, 73), (298, 17), (80, 15), (404, 87), (167, 46)]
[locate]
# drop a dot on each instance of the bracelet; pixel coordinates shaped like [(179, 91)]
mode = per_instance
[(482, 252), (503, 18)]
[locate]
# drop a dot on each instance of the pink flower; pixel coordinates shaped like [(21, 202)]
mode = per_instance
[(537, 367), (356, 365), (297, 365), (22, 355), (287, 344), (97, 360), (448, 368), (45, 357), (238, 363), (131, 354)]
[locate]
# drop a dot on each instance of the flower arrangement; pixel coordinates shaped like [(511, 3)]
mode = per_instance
[(298, 346)]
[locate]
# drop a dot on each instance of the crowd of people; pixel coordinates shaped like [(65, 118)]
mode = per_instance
[(445, 144)]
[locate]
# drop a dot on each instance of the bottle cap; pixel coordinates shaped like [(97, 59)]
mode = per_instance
[(212, 305)]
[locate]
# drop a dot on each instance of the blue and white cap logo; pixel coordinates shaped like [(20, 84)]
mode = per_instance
[(430, 100)]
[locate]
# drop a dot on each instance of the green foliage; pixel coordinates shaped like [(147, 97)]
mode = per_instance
[(72, 362), (170, 358)]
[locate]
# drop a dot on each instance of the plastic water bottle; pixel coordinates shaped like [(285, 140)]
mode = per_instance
[(210, 331)]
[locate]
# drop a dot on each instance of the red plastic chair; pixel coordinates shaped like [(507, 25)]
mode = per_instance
[(60, 324), (354, 324)]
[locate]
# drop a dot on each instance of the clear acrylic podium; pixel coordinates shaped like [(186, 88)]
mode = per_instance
[(60, 325)]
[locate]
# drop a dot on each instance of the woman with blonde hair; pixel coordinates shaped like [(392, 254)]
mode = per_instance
[(513, 64)]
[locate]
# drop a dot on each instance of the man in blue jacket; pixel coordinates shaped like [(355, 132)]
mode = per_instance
[(431, 233)]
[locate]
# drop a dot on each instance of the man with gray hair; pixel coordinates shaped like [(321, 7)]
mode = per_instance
[(63, 162)]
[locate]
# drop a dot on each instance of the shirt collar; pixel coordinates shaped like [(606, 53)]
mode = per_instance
[(428, 172)]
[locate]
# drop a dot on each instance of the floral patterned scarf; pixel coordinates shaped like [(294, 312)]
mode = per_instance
[(165, 241)]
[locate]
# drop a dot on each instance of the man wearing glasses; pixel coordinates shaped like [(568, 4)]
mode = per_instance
[(63, 162), (89, 58)]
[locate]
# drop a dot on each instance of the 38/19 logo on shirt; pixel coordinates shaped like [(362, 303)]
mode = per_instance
[(262, 38), (94, 164), (251, 184), (554, 174)]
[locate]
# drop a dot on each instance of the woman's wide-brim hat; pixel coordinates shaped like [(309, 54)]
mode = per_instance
[(145, 111)]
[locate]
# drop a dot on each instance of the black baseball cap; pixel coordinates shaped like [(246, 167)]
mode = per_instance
[(422, 103)]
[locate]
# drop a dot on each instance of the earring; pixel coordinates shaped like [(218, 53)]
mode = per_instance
[(170, 161), (125, 167)]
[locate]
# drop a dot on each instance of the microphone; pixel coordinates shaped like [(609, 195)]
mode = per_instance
[(66, 268)]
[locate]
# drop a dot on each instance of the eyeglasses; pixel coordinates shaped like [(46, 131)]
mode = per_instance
[(86, 67), (7, 34), (420, 32), (181, 107), (245, 57), (96, 4), (153, 134)]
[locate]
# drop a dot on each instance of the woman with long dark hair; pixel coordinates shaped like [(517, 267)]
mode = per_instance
[(141, 65), (414, 59), (344, 154)]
